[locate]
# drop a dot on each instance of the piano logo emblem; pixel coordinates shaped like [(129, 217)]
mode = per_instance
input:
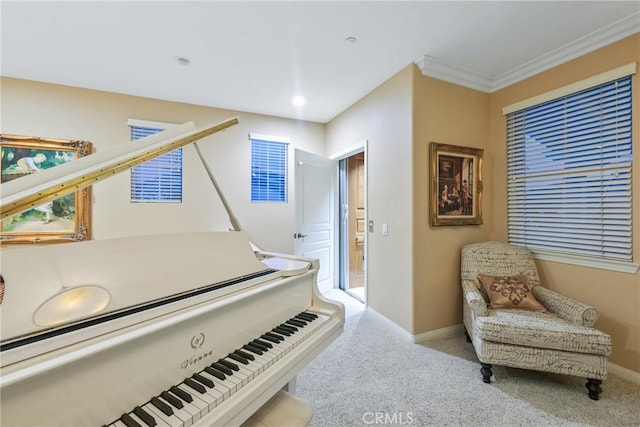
[(197, 341)]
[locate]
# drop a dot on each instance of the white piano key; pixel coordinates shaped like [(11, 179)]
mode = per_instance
[(183, 414), (170, 420), (160, 423), (192, 412), (232, 383), (263, 360), (244, 373), (214, 396), (197, 402)]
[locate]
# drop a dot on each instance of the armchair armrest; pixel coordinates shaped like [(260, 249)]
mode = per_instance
[(474, 298), (569, 309)]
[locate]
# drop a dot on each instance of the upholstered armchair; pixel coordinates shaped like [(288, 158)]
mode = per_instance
[(506, 325)]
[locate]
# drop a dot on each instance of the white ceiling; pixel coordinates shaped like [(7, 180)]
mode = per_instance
[(255, 56)]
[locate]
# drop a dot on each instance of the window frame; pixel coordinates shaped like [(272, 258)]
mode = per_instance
[(626, 266), (274, 141), (161, 126)]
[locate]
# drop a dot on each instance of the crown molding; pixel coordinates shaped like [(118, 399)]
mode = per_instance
[(433, 67), (607, 35)]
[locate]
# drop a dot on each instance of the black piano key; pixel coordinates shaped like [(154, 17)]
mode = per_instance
[(252, 349), (163, 407), (220, 367), (181, 394), (173, 401), (195, 385), (216, 373), (228, 364), (301, 319), (203, 380), (288, 327), (245, 355), (281, 331), (262, 343), (304, 316), (297, 323), (239, 358), (308, 315), (264, 348), (128, 421), (145, 416), (270, 336)]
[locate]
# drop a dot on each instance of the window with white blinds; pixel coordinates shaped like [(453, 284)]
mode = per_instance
[(569, 174), (160, 179), (268, 170)]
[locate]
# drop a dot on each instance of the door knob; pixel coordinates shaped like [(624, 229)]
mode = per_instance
[(299, 235)]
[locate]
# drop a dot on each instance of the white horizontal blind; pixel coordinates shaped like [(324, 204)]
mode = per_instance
[(569, 174), (268, 171), (159, 179)]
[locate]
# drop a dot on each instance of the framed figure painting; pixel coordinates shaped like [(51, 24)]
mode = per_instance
[(65, 219), (456, 185)]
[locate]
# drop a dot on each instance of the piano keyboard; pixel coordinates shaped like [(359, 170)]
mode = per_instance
[(185, 403)]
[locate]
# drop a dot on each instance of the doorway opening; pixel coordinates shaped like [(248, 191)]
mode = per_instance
[(352, 229)]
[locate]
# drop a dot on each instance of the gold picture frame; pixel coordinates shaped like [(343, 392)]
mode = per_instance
[(66, 219), (456, 185)]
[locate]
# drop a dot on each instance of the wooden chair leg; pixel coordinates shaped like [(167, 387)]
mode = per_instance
[(594, 388), (486, 372)]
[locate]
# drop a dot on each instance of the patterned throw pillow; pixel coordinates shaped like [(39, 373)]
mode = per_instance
[(510, 292)]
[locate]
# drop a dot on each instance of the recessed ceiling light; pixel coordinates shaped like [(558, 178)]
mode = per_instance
[(298, 101), (182, 60)]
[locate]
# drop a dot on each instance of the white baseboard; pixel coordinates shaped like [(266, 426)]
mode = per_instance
[(624, 373), (451, 331), (399, 329), (454, 330), (448, 332)]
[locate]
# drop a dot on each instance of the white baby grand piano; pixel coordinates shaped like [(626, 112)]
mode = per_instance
[(172, 329)]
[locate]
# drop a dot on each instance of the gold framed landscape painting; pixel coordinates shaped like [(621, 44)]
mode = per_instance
[(456, 185), (65, 219)]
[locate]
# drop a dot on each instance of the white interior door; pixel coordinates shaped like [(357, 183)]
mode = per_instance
[(314, 176)]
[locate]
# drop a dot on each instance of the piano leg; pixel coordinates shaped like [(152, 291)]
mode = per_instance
[(291, 385), (282, 409)]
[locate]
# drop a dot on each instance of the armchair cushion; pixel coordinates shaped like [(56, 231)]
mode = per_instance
[(510, 292), (542, 330)]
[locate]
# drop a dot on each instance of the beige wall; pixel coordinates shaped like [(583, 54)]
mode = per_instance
[(448, 114), (413, 273), (383, 118), (615, 295), (39, 109)]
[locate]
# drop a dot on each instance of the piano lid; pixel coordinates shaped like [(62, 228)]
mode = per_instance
[(33, 190), (132, 271)]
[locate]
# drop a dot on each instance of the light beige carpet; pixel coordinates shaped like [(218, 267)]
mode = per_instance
[(371, 375)]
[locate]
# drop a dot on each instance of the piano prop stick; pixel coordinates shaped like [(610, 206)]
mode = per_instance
[(34, 190), (232, 218)]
